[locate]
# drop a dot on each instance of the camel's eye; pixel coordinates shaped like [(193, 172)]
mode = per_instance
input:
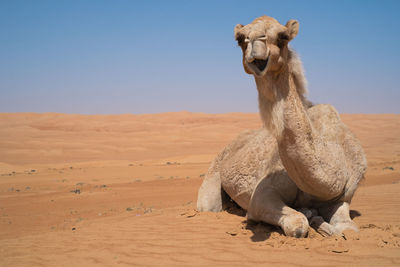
[(240, 38), (283, 38)]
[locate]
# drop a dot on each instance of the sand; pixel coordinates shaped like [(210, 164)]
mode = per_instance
[(122, 189)]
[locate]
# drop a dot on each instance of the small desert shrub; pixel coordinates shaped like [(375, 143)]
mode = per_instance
[(388, 168), (76, 191)]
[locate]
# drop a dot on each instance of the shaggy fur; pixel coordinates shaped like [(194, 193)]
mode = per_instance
[(305, 158)]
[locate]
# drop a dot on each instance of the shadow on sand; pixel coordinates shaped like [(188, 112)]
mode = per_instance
[(354, 214), (261, 231)]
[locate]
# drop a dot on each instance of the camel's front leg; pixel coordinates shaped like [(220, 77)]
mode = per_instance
[(322, 227), (338, 216), (266, 205)]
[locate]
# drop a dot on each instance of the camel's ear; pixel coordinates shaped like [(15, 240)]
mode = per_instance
[(239, 36), (292, 28)]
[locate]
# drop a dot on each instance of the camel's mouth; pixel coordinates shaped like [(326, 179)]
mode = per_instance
[(259, 66)]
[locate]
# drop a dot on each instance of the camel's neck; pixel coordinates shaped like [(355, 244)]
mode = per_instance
[(281, 98), (283, 111)]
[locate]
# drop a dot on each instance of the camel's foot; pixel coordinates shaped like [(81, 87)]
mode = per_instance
[(309, 213), (295, 225), (326, 229), (344, 226), (322, 227), (338, 217)]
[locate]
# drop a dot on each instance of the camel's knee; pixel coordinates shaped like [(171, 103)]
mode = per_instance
[(210, 194), (341, 219), (338, 216), (295, 225), (337, 213)]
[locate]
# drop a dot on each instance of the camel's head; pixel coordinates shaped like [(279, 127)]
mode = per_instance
[(264, 43)]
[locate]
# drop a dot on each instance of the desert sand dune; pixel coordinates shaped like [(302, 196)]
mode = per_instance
[(121, 189)]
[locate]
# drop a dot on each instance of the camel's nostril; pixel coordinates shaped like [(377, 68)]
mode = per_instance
[(250, 59)]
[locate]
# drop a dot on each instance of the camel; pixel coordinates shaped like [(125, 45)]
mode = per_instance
[(303, 167)]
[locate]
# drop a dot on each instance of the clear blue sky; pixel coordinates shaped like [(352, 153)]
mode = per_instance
[(110, 57)]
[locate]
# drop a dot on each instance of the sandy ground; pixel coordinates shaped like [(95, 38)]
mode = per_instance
[(122, 189)]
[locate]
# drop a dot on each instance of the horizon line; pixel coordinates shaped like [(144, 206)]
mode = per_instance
[(166, 112)]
